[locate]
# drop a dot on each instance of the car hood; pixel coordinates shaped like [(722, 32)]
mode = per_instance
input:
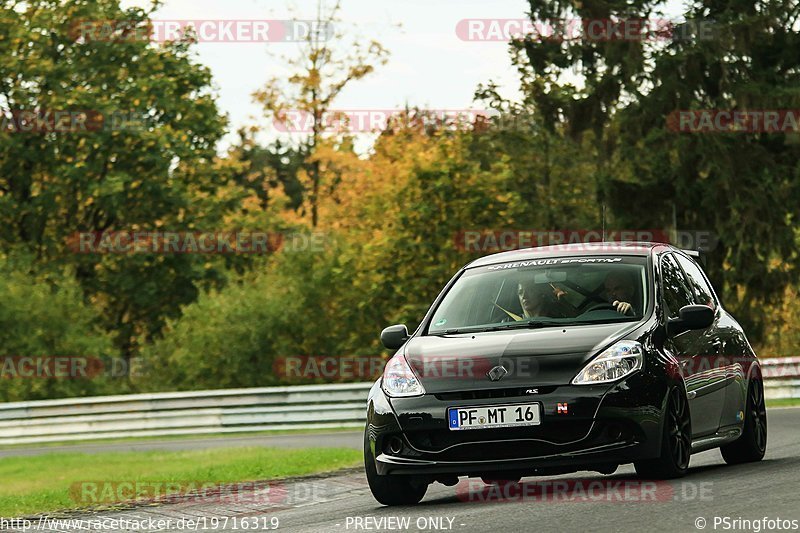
[(531, 357)]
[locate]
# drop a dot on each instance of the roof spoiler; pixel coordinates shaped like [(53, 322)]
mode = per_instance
[(697, 256)]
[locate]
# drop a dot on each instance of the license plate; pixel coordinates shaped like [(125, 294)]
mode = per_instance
[(496, 416)]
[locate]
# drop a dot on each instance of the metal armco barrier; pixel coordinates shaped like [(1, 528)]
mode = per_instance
[(781, 377), (235, 410), (184, 413)]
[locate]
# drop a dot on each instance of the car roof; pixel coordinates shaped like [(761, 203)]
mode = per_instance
[(574, 250)]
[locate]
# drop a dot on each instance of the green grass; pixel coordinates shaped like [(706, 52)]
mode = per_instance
[(161, 438), (43, 483), (783, 402)]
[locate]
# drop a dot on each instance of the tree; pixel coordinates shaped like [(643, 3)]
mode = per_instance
[(321, 72), (266, 168), (143, 161), (742, 186)]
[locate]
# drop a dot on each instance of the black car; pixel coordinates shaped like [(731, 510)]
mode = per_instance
[(558, 359)]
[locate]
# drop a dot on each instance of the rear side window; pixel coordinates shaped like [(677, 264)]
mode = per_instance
[(673, 284), (703, 295)]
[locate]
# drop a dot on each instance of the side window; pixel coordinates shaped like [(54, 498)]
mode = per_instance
[(702, 290), (673, 284)]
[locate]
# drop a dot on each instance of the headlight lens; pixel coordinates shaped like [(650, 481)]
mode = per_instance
[(616, 362), (399, 380)]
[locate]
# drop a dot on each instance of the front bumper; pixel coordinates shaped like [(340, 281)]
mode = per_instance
[(582, 427), (611, 454)]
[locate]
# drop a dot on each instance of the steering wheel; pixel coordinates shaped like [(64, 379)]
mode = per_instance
[(601, 306), (592, 301)]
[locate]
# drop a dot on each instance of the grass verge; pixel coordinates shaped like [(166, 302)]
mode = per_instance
[(43, 483), (783, 402), (161, 438)]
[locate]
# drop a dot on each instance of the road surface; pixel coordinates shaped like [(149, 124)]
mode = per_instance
[(763, 492)]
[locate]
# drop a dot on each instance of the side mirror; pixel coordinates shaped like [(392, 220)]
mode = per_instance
[(394, 337), (691, 317)]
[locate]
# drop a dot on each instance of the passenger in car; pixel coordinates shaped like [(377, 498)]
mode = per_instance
[(542, 299)]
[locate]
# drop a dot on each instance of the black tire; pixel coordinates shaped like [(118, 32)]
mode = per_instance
[(752, 443), (676, 441), (392, 490)]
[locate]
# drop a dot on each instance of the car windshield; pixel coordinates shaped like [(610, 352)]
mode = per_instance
[(543, 292)]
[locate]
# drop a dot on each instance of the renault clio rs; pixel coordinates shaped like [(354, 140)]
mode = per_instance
[(560, 359)]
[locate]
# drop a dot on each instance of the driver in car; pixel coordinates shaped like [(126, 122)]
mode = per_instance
[(542, 299), (619, 290)]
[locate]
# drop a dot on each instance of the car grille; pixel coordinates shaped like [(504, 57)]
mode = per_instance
[(505, 442), (486, 394)]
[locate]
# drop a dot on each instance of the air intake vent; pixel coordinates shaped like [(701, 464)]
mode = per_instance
[(485, 394)]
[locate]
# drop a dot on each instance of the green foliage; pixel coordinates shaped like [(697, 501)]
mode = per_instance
[(145, 175), (562, 156), (231, 337), (744, 187), (44, 316)]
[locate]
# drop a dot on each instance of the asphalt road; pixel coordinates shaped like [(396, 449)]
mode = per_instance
[(342, 502)]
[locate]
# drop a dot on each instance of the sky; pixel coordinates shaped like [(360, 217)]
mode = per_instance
[(430, 66)]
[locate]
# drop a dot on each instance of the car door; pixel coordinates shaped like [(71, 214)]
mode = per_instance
[(694, 350), (729, 352)]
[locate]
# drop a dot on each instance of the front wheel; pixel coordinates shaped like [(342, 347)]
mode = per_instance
[(752, 443), (676, 441), (391, 490)]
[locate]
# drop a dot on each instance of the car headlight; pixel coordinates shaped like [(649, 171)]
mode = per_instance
[(616, 362), (399, 380)]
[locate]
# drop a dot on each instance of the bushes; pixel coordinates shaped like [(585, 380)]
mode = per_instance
[(44, 316), (230, 338)]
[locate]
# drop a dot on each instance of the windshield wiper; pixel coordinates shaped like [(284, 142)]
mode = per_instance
[(525, 324), (531, 324)]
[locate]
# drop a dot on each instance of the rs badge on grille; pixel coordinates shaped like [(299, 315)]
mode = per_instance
[(497, 373)]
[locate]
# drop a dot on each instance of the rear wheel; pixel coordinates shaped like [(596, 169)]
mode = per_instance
[(752, 444), (676, 441), (392, 490)]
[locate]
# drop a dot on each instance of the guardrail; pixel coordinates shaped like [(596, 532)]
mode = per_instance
[(235, 410), (184, 413), (781, 377)]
